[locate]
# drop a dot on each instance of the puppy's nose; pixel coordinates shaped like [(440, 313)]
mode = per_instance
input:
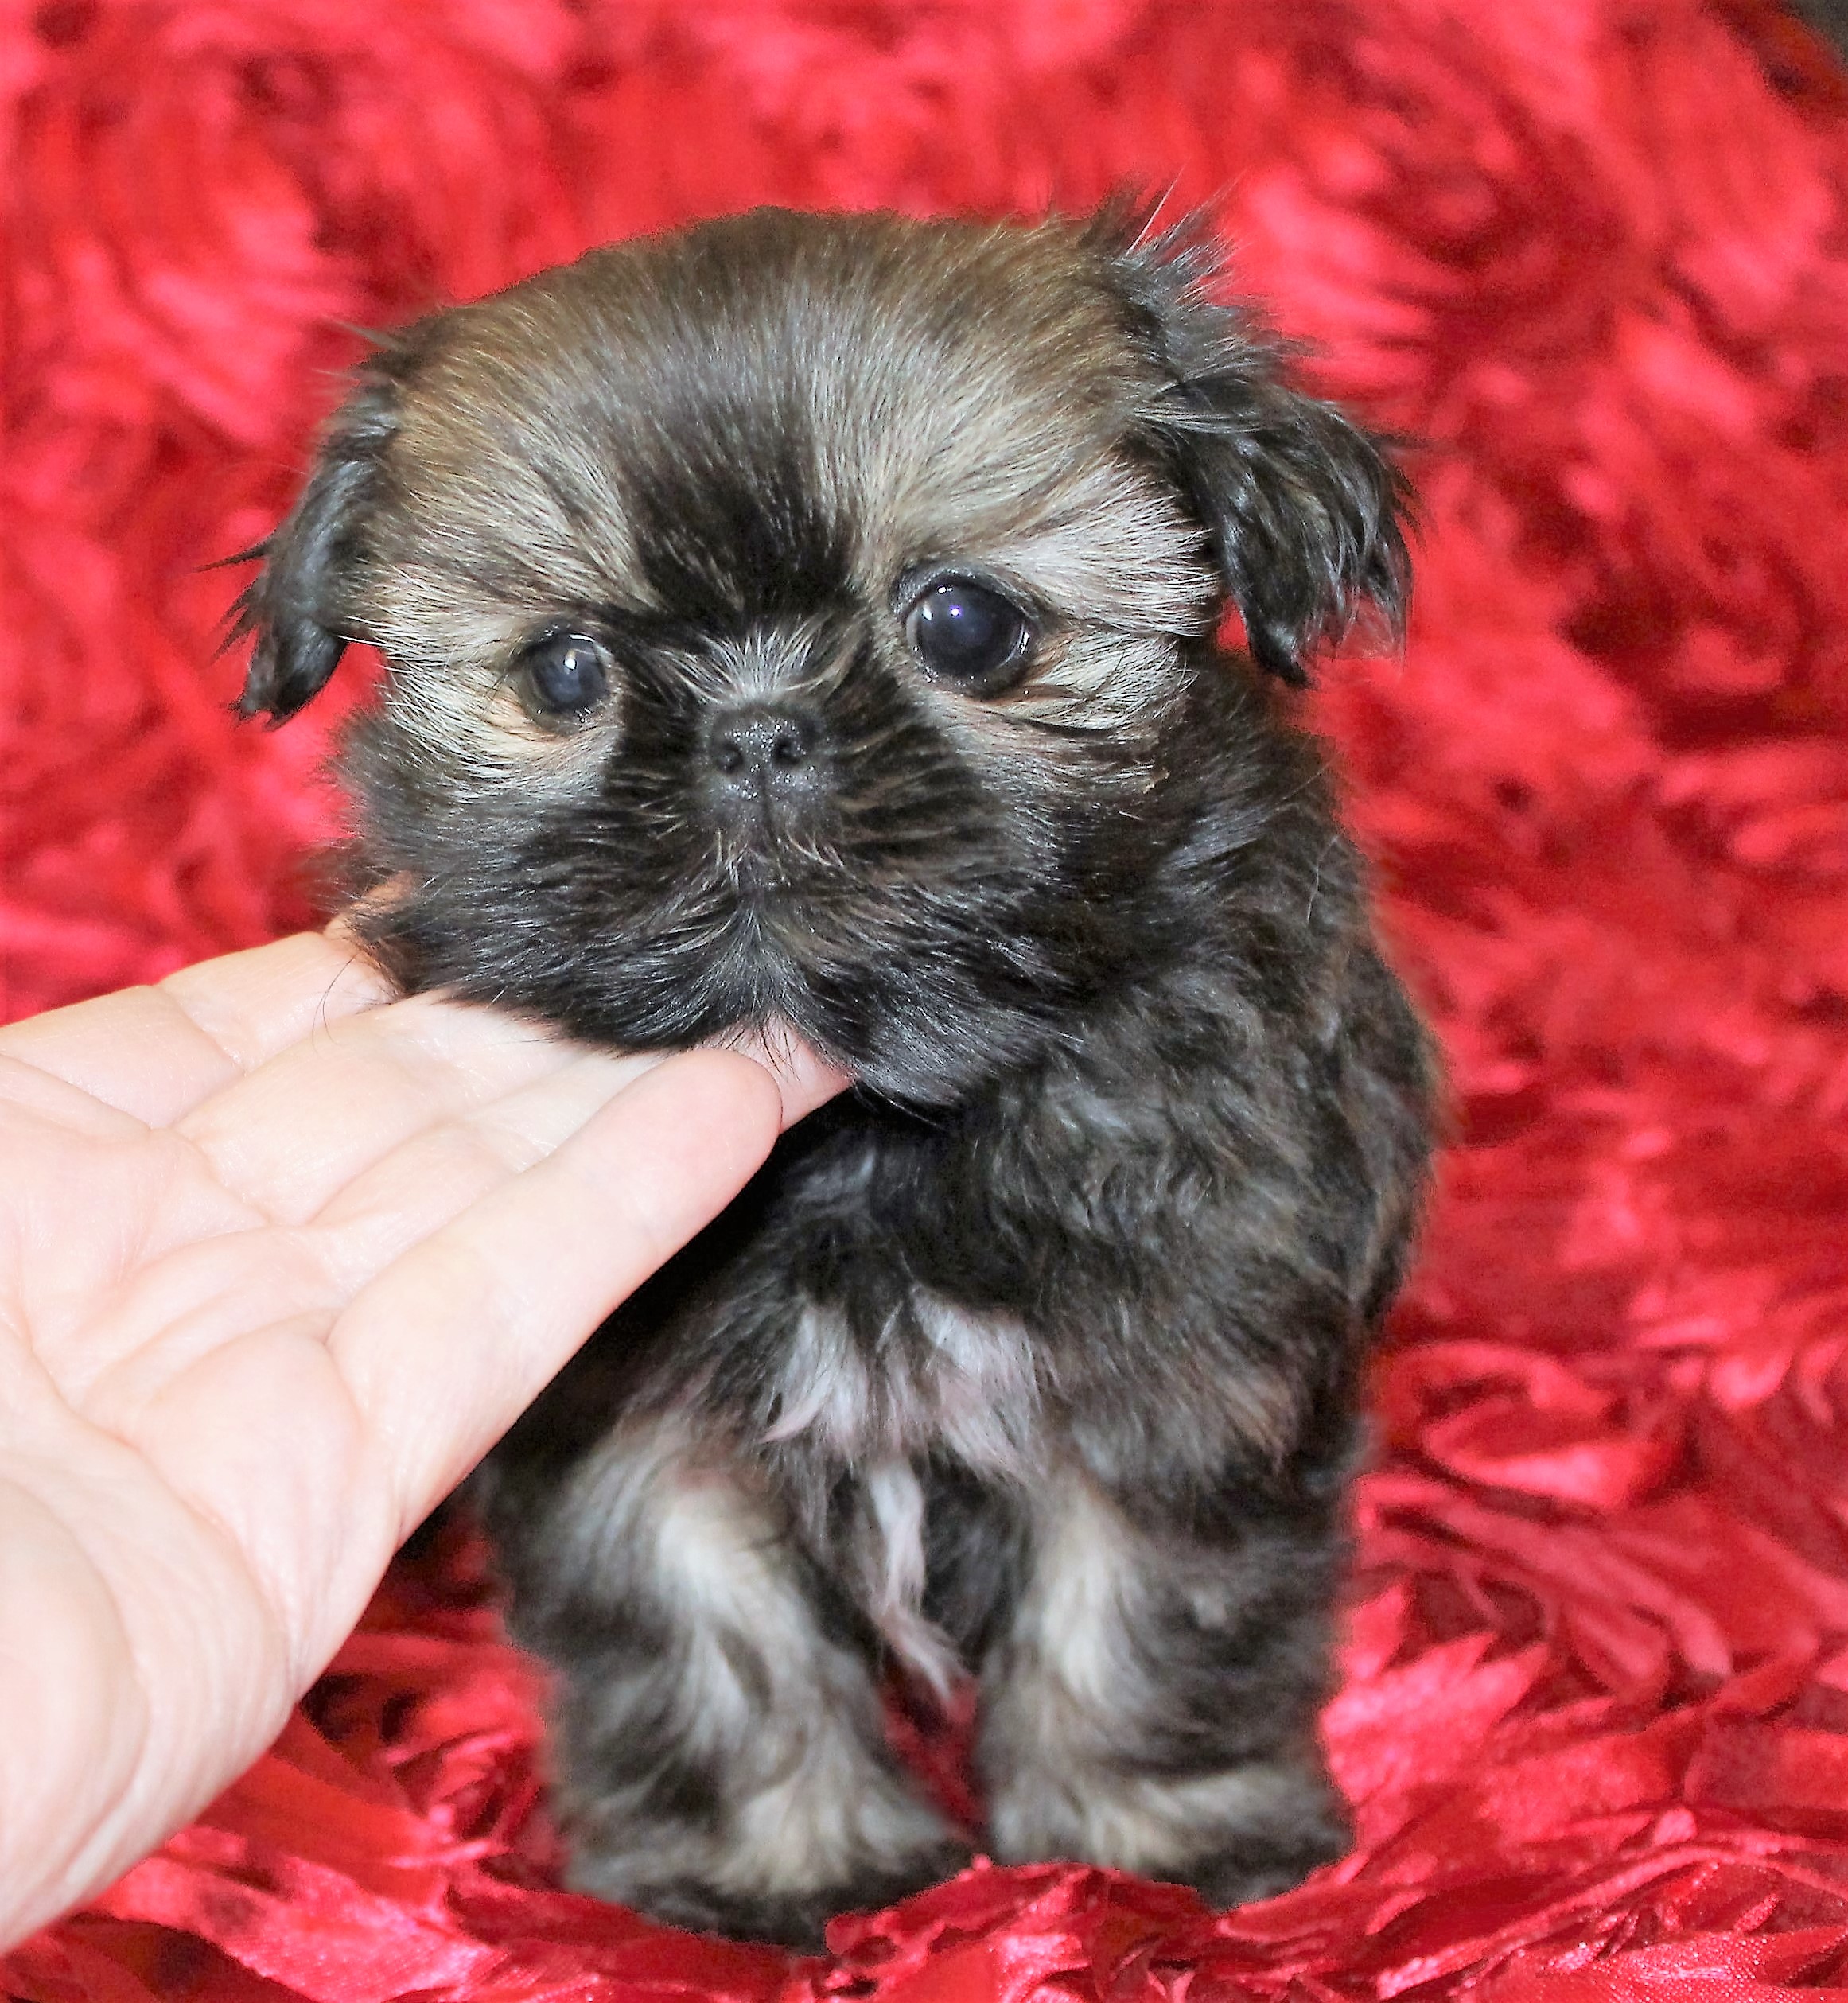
[(762, 750)]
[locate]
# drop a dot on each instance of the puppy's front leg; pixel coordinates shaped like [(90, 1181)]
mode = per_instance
[(722, 1763), (1152, 1705)]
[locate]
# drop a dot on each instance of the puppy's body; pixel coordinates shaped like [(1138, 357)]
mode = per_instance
[(805, 623)]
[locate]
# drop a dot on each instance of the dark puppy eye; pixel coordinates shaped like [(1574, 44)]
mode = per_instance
[(969, 634), (567, 673)]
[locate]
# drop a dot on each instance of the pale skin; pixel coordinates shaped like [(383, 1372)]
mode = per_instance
[(280, 1258)]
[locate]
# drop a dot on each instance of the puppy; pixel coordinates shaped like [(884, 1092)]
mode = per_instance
[(807, 625)]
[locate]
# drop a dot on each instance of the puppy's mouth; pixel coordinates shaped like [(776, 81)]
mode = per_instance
[(798, 964), (774, 865)]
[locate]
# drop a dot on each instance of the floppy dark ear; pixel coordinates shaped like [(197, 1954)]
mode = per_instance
[(1303, 509), (297, 606)]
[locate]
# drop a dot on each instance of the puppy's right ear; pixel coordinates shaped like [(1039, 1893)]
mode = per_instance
[(298, 607)]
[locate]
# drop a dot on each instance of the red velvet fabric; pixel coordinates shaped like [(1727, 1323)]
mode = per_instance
[(1594, 255)]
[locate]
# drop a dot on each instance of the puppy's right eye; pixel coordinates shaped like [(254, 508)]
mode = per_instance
[(568, 674)]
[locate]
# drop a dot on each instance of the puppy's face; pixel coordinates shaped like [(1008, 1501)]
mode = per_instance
[(791, 621)]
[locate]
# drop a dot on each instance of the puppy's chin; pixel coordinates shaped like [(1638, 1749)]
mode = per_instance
[(937, 1065), (912, 1022)]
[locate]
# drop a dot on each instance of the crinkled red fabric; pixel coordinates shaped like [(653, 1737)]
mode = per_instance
[(1594, 1715)]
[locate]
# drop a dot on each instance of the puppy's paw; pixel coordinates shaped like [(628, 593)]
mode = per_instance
[(1260, 1866), (795, 1917)]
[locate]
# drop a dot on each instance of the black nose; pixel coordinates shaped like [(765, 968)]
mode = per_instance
[(763, 749)]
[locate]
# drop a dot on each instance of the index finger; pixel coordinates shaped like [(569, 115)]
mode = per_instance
[(444, 1349), (155, 1052)]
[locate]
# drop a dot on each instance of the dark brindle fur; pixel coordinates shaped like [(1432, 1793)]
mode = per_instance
[(1035, 1357)]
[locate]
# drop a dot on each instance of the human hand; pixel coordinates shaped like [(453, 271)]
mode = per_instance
[(279, 1260)]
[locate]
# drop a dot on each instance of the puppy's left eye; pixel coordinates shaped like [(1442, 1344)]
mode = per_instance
[(568, 674), (969, 634)]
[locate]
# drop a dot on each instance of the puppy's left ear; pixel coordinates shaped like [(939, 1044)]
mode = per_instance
[(1304, 510), (298, 605)]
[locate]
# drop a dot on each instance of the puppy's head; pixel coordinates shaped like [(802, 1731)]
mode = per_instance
[(793, 620)]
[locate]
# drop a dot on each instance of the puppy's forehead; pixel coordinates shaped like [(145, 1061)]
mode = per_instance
[(774, 411)]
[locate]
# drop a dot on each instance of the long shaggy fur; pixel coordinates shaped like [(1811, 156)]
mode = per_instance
[(1591, 253), (1034, 1360)]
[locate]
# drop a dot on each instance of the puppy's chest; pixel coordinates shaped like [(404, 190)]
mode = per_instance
[(864, 1383), (921, 1291), (926, 1377)]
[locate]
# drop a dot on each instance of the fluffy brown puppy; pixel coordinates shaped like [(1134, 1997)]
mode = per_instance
[(807, 625)]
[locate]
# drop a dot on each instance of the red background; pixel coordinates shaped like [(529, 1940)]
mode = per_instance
[(1593, 254)]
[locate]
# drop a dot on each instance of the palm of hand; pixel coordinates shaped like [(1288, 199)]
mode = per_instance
[(276, 1266)]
